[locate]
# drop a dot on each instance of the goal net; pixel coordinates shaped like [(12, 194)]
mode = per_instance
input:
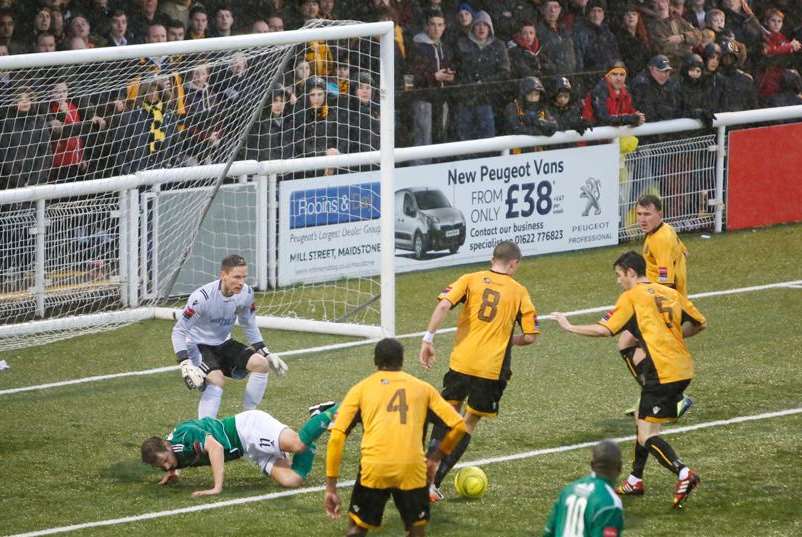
[(129, 173)]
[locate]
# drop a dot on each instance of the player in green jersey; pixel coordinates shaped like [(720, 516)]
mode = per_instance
[(589, 507), (253, 433)]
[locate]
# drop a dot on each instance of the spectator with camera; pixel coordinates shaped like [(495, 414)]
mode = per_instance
[(432, 63)]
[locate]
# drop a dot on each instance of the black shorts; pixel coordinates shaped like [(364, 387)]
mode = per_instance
[(231, 358), (658, 403), (367, 505), (483, 395)]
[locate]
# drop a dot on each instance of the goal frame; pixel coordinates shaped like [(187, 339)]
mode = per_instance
[(127, 185)]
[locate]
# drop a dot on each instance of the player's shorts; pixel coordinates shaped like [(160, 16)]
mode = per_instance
[(483, 395), (231, 357), (367, 505), (259, 434), (658, 403)]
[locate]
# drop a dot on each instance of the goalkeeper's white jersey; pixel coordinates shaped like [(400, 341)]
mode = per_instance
[(209, 317)]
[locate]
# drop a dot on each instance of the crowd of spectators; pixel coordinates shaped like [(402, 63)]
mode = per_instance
[(464, 70)]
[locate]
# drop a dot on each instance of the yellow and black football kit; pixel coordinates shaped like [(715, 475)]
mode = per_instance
[(666, 257), (654, 314), (393, 407), (480, 363)]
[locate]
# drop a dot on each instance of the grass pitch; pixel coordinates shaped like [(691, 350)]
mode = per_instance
[(69, 455)]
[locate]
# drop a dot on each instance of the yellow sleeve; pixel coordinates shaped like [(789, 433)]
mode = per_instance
[(689, 311), (450, 417), (529, 324), (348, 411), (616, 319), (455, 293), (334, 453)]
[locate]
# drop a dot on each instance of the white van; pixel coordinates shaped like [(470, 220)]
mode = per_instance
[(425, 220)]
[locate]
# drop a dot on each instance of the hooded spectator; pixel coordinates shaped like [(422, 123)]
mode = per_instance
[(362, 123), (610, 102), (739, 87), (654, 92), (565, 109), (595, 43), (481, 58), (528, 113), (316, 124), (524, 52), (694, 99), (712, 80)]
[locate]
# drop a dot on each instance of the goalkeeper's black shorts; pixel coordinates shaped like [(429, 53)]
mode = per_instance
[(230, 357)]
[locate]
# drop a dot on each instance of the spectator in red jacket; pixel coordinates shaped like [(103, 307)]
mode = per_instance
[(777, 50), (610, 102)]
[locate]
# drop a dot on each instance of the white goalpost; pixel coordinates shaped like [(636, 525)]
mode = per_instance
[(128, 173)]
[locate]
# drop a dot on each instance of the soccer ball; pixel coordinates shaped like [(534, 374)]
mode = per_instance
[(470, 482)]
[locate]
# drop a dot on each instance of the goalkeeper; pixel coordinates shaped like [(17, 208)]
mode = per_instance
[(253, 433), (205, 350)]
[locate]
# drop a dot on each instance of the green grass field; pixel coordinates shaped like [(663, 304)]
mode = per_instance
[(69, 455)]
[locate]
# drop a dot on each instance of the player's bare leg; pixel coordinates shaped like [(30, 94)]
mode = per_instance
[(258, 369), (211, 395)]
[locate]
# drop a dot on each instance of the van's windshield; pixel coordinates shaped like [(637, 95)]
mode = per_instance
[(431, 199)]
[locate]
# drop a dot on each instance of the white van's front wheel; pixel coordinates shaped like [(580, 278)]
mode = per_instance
[(418, 246)]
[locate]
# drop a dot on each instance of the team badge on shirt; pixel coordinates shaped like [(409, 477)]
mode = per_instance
[(662, 274), (188, 313), (610, 532)]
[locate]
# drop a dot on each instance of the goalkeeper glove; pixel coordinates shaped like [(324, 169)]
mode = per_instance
[(194, 377), (278, 365)]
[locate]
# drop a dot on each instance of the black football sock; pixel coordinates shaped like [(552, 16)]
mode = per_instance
[(639, 462), (448, 462), (664, 453)]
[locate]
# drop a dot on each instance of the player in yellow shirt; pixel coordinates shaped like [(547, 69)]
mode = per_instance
[(665, 256), (660, 318), (479, 369), (393, 407)]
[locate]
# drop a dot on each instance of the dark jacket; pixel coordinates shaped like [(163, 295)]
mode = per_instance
[(523, 117), (481, 63), (634, 53), (25, 157), (558, 55), (270, 138), (657, 102), (428, 57), (524, 62), (595, 45), (739, 92)]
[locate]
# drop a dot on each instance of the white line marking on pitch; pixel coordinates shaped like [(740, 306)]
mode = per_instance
[(337, 346), (347, 484)]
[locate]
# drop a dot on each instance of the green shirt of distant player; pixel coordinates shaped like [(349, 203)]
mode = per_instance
[(189, 437), (588, 507)]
